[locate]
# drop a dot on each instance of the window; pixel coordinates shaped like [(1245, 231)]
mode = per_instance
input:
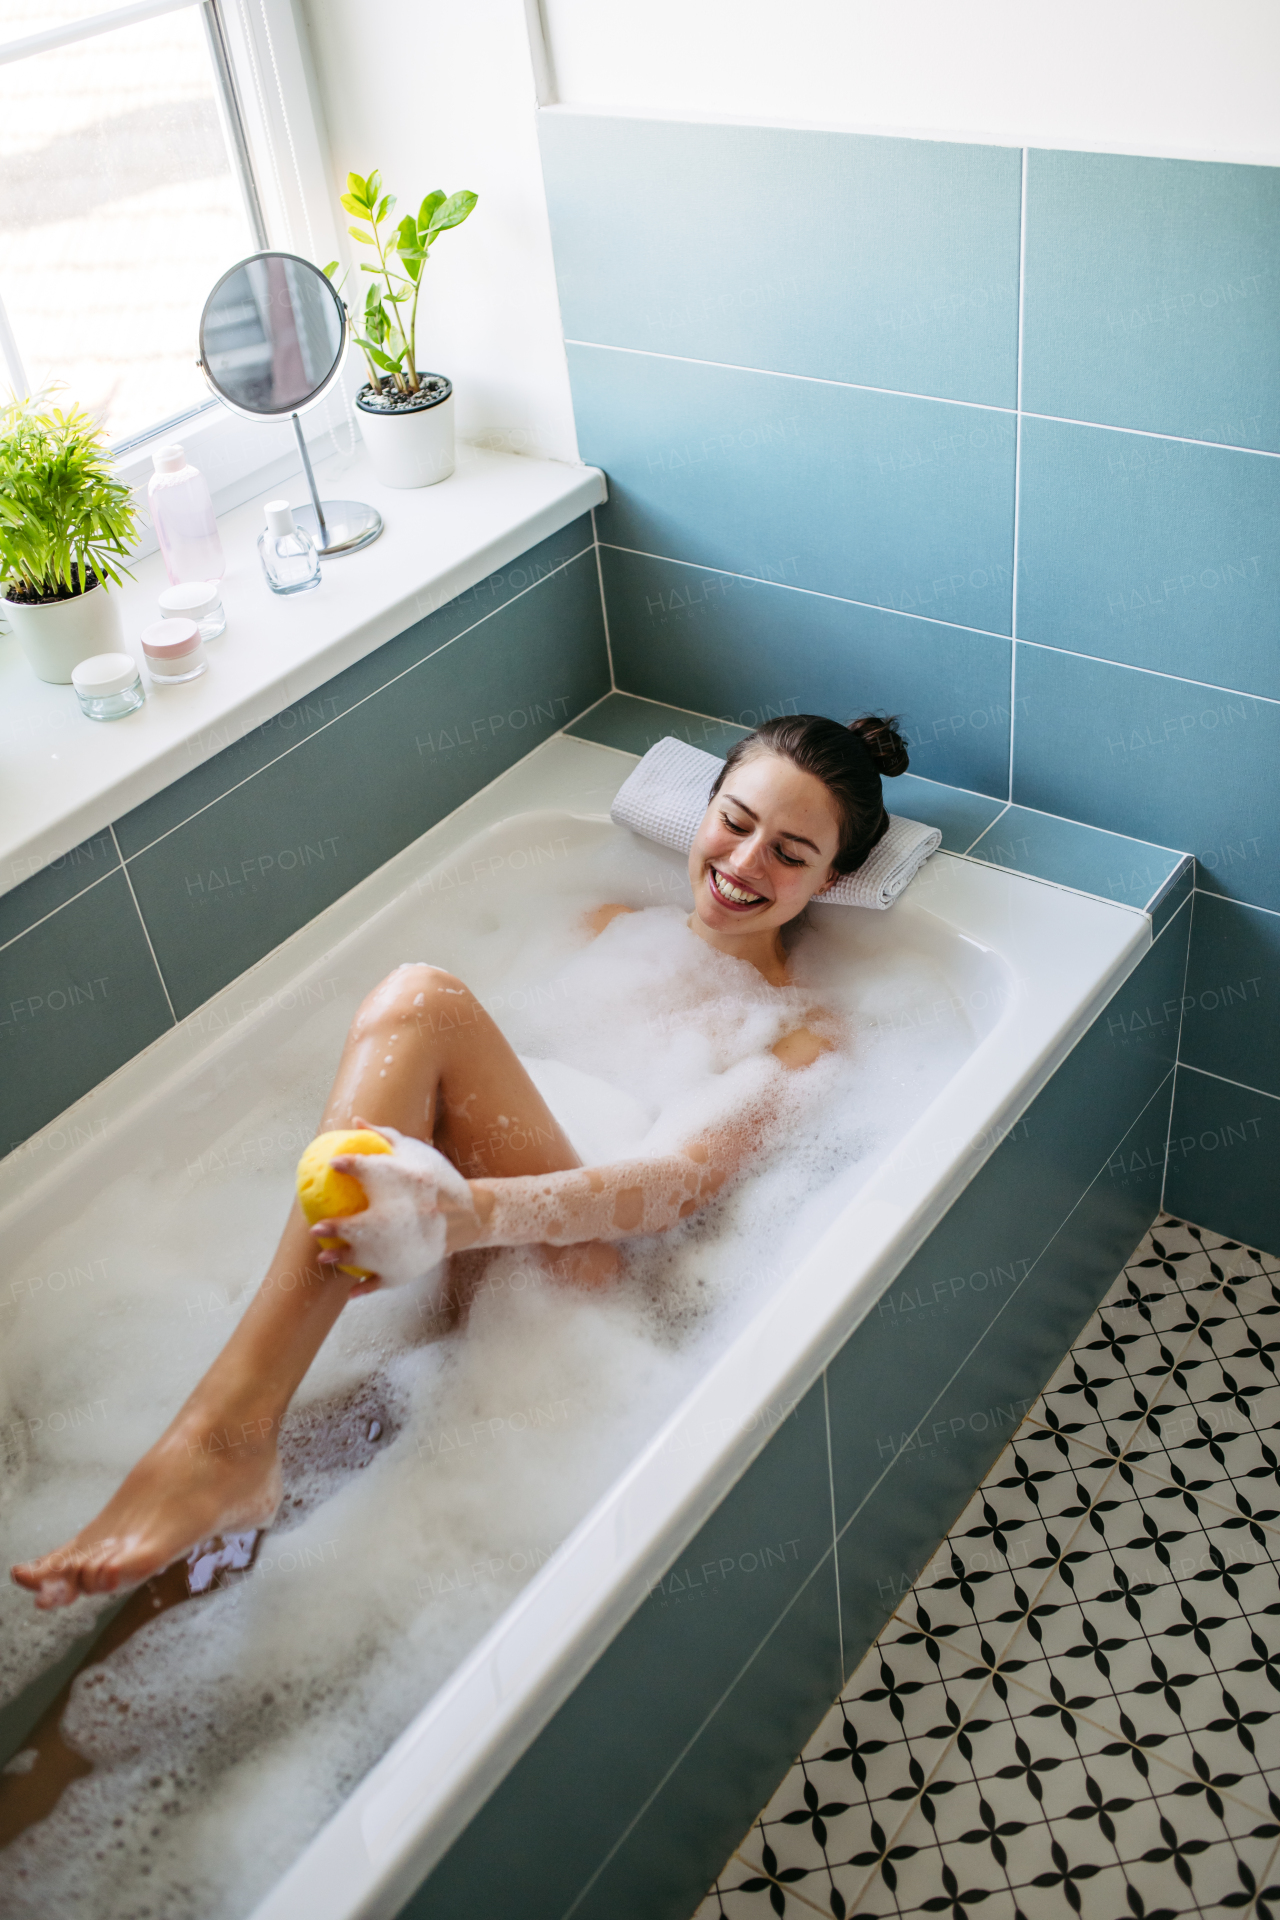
[(125, 191), (145, 148)]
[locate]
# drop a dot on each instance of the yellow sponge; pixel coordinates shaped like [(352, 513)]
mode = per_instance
[(326, 1194)]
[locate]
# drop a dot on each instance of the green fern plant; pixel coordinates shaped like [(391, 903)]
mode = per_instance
[(389, 318), (65, 520)]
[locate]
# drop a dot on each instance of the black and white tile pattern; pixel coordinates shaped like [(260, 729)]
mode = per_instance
[(1077, 1707)]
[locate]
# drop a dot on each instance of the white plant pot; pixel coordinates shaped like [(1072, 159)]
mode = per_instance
[(57, 636), (411, 448)]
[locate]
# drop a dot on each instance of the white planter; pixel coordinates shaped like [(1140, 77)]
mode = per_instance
[(58, 636), (410, 448)]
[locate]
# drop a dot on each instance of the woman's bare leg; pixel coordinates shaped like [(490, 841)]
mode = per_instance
[(424, 1057)]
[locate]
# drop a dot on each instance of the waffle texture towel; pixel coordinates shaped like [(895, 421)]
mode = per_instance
[(666, 797)]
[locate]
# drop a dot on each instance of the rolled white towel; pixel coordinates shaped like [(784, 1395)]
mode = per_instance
[(665, 797)]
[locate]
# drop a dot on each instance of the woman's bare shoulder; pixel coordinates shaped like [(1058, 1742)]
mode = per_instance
[(599, 917)]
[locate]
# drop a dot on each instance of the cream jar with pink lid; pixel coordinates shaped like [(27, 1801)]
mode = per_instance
[(173, 651)]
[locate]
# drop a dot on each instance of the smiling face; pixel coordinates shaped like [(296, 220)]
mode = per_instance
[(763, 850)]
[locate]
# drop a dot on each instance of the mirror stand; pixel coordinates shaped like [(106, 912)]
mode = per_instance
[(273, 334), (336, 526)]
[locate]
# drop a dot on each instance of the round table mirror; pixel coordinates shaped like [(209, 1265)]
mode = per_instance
[(273, 336)]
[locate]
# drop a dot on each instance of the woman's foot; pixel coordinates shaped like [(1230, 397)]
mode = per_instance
[(194, 1483)]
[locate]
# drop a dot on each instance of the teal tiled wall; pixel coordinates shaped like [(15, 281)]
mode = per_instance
[(105, 949), (843, 474)]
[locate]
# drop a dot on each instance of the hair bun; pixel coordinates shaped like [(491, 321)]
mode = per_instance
[(879, 734)]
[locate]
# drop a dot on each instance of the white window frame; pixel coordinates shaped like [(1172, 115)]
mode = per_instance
[(269, 65)]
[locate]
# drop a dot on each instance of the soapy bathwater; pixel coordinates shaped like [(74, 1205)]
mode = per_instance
[(428, 1474)]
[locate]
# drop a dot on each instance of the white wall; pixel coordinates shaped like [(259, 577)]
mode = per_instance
[(437, 96), (1186, 78)]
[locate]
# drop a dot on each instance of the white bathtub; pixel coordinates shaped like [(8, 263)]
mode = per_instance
[(1033, 964)]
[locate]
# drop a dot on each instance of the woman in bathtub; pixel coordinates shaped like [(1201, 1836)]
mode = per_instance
[(797, 804)]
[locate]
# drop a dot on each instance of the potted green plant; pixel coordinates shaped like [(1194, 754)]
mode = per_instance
[(65, 521), (406, 415)]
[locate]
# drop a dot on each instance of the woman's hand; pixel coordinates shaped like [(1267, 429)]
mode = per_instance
[(420, 1209)]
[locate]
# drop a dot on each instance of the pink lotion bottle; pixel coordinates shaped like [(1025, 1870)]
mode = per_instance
[(182, 512)]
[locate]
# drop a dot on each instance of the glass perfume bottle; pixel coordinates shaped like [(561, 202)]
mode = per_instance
[(288, 553), (182, 512)]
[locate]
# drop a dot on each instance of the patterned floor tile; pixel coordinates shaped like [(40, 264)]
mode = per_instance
[(1077, 1707), (744, 1894), (1122, 1363), (979, 1586), (863, 1768), (1166, 1630), (1215, 1428), (1032, 1813)]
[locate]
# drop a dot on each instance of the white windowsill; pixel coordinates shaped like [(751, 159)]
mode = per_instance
[(64, 778)]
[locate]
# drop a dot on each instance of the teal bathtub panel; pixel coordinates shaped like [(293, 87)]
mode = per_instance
[(79, 995), (240, 758), (876, 497), (227, 886), (1231, 1015), (748, 651), (893, 263), (1224, 1152), (683, 1837), (51, 886), (572, 1801), (891, 1372), (904, 1518)]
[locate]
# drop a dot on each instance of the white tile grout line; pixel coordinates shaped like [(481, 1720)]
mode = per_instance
[(71, 899), (1243, 1086), (1272, 913), (146, 931), (1017, 470), (779, 373), (1128, 666), (831, 1489), (933, 620), (604, 605), (935, 399), (968, 852)]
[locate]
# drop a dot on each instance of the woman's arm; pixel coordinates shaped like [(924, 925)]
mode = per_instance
[(612, 1202), (629, 1196), (597, 1203)]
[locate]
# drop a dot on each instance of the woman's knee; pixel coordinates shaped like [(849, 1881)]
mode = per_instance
[(415, 995)]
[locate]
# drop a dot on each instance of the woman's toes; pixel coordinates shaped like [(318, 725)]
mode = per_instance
[(56, 1591)]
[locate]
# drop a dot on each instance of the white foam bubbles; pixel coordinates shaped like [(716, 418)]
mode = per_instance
[(225, 1732)]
